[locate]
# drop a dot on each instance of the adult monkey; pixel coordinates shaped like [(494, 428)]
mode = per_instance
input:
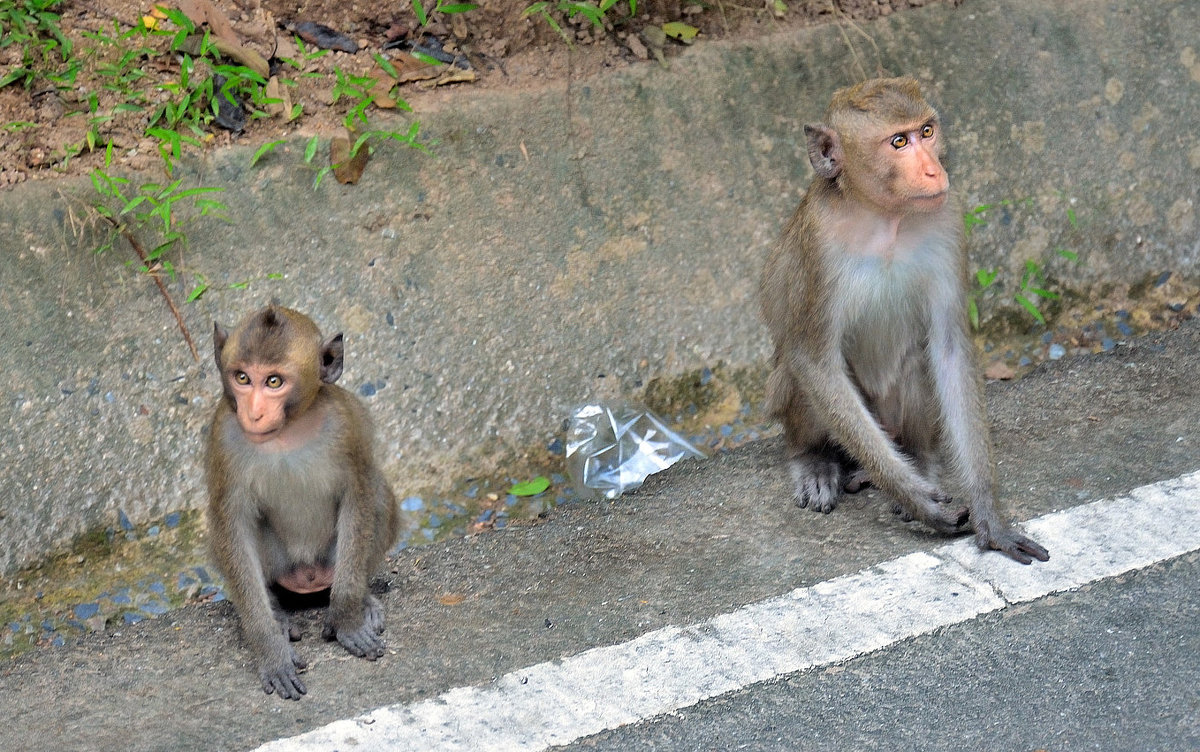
[(296, 500), (874, 374)]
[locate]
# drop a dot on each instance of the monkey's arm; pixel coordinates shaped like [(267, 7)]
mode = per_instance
[(235, 548), (965, 433), (355, 617), (820, 371)]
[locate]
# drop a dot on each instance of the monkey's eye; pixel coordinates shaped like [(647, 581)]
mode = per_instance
[(241, 378), (927, 130), (274, 381), (899, 141)]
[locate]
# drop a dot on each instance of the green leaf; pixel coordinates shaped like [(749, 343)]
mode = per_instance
[(196, 292), (531, 487), (262, 150), (310, 150), (427, 59), (1028, 305), (681, 31), (457, 7), (419, 9)]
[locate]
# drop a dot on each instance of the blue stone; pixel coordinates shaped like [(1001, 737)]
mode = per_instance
[(155, 608), (434, 521), (501, 523), (153, 531), (1024, 361), (1057, 351), (367, 390), (486, 516), (86, 610), (1125, 329), (157, 587), (123, 519), (1123, 314), (132, 618), (1162, 279), (1047, 337), (172, 520), (121, 598), (556, 446), (14, 626), (471, 492), (726, 430), (412, 504), (510, 500), (705, 376), (58, 641), (47, 625), (1107, 344), (109, 397), (202, 573), (184, 581)]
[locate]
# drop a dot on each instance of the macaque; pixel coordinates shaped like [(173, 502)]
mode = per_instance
[(874, 375), (296, 500)]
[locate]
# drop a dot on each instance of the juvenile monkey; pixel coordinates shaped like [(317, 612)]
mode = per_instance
[(874, 375), (296, 500)]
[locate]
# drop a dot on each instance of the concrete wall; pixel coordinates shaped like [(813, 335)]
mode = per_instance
[(568, 244)]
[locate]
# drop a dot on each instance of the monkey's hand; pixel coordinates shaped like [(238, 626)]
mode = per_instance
[(280, 676), (1008, 541)]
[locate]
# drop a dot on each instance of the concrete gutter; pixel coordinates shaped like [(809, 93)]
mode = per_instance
[(572, 243)]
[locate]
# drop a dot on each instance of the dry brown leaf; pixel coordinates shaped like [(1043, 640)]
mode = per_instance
[(999, 370), (347, 169), (451, 599), (275, 90)]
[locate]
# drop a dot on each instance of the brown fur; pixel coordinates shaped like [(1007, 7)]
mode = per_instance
[(309, 502), (865, 298)]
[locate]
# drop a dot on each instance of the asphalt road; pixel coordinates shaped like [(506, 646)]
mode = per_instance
[(1109, 664)]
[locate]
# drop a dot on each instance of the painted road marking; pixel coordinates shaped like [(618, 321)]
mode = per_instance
[(557, 702)]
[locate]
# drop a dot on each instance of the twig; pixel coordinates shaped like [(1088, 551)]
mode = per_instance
[(162, 287)]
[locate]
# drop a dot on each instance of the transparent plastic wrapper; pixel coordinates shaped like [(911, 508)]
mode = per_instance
[(611, 449)]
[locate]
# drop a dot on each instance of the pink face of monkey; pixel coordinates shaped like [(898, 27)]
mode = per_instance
[(261, 394)]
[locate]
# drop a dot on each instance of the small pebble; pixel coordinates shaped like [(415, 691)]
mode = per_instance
[(132, 618), (1024, 361), (705, 376), (1047, 337), (184, 581), (1125, 329), (86, 610), (726, 430), (1057, 351), (172, 520), (555, 447), (157, 587), (202, 573), (412, 504), (153, 531), (1107, 344), (367, 390), (155, 608), (1162, 279), (123, 520)]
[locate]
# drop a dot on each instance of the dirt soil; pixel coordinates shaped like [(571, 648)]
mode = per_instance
[(46, 116)]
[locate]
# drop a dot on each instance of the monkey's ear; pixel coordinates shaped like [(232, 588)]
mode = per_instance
[(331, 359), (824, 150), (219, 337)]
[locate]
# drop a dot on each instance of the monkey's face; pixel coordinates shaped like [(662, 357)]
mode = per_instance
[(901, 168), (263, 397)]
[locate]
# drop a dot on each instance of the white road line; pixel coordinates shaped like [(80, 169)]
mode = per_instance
[(557, 702)]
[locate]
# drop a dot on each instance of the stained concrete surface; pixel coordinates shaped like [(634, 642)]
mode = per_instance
[(572, 242), (699, 539)]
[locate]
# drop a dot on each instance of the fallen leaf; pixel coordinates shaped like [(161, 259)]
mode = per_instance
[(681, 31), (999, 370), (531, 487), (346, 168), (276, 91), (202, 12), (451, 599), (323, 36)]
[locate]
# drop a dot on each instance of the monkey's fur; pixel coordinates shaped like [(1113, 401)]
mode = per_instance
[(874, 375)]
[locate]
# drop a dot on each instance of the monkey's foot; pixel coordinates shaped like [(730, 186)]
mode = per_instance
[(365, 640), (818, 482), (857, 481), (1009, 542), (285, 625), (281, 676)]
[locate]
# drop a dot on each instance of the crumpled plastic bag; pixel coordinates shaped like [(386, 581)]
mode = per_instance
[(611, 449)]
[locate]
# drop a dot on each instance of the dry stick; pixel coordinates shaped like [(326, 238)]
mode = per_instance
[(162, 288)]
